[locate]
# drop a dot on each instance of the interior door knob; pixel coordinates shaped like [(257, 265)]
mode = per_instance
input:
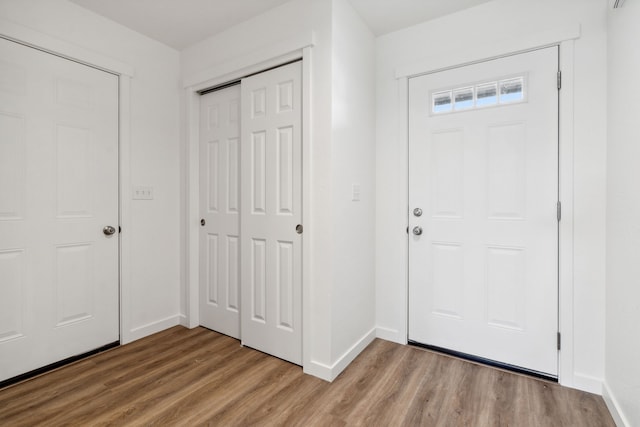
[(109, 230), (203, 222), (417, 230)]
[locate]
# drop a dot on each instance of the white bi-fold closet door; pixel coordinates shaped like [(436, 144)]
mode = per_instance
[(58, 209), (251, 211)]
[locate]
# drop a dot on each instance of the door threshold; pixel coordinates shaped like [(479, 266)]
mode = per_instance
[(487, 362), (56, 365)]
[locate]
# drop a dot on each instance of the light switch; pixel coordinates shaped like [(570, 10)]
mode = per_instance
[(142, 193), (355, 192)]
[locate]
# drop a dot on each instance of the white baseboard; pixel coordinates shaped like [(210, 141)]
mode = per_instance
[(587, 383), (318, 370), (614, 407), (183, 321), (152, 328), (392, 335), (330, 373)]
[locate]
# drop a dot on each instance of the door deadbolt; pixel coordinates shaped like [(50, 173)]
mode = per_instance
[(417, 212), (109, 230), (417, 230), (203, 222), (299, 228)]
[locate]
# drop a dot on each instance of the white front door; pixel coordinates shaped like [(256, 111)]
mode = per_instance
[(58, 190), (220, 211), (271, 209), (483, 171)]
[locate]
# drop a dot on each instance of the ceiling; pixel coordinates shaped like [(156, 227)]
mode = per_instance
[(385, 16), (181, 23)]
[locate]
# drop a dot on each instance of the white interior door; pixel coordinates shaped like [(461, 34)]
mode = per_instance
[(220, 211), (271, 209), (58, 189), (483, 275)]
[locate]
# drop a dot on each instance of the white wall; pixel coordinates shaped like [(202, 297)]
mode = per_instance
[(622, 388), (487, 24), (154, 234), (352, 162)]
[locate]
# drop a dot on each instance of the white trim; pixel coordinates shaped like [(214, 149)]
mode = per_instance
[(392, 335), (587, 383), (154, 327), (282, 53), (307, 236), (403, 138), (489, 51), (566, 375), (47, 43), (250, 63), (330, 373), (125, 209), (193, 208), (565, 250), (614, 407), (183, 320)]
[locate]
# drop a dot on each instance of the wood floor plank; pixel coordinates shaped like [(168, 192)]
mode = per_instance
[(183, 377), (139, 394)]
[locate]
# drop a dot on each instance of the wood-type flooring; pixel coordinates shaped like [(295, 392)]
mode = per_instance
[(199, 377)]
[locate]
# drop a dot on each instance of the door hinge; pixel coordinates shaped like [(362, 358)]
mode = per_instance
[(559, 210), (559, 80), (559, 341)]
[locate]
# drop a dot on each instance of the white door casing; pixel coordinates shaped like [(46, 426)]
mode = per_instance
[(220, 211), (271, 209), (58, 189), (483, 276)]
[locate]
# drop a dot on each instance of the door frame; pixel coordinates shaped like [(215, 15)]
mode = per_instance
[(295, 48), (43, 42), (564, 38)]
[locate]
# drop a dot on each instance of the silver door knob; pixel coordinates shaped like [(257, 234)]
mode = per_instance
[(417, 212), (299, 228), (417, 230), (109, 230), (203, 222)]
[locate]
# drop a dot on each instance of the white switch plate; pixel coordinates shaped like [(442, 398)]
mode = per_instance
[(355, 192), (142, 193)]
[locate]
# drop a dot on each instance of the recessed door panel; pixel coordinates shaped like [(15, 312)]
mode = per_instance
[(285, 281), (13, 166), (258, 172), (75, 283), (506, 171), (506, 292), (212, 269), (447, 162), (213, 153), (75, 179), (285, 183), (447, 281), (258, 280), (12, 291)]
